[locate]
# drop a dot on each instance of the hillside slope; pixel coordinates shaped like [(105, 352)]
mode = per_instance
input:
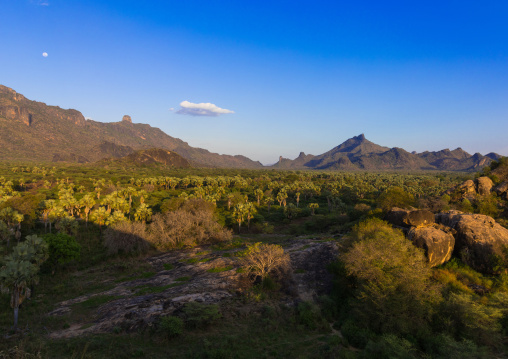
[(31, 130)]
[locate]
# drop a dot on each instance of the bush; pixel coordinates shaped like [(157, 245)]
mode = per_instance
[(394, 291), (67, 225), (193, 224), (63, 248), (395, 197), (356, 336), (126, 238), (390, 347), (265, 260), (198, 315), (171, 326), (463, 317), (310, 316)]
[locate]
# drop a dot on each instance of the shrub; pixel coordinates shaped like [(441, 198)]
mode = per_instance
[(67, 225), (198, 315), (463, 317), (310, 316), (356, 336), (266, 259), (389, 346), (126, 238), (63, 248), (395, 197), (191, 225), (394, 290), (171, 326)]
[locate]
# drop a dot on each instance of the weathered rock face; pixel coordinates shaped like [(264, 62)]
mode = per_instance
[(467, 188), (127, 118), (405, 218), (141, 302), (396, 216), (484, 185), (479, 238), (437, 241), (502, 189), (419, 218), (16, 113)]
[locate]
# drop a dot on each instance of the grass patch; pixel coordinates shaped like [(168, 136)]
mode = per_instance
[(299, 271), (183, 279), (219, 269), (168, 266), (96, 301)]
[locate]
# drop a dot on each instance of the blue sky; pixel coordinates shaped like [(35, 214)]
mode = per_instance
[(297, 75)]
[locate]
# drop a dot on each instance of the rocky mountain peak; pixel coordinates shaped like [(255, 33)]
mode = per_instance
[(126, 118)]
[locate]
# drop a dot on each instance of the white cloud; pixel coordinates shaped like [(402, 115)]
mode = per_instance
[(201, 109), (45, 54)]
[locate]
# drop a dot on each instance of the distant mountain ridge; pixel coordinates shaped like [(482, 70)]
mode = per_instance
[(34, 131), (31, 130), (358, 153)]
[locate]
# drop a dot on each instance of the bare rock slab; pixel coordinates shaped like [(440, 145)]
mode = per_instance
[(437, 242), (479, 238)]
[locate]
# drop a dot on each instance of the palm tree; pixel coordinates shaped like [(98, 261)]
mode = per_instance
[(88, 202), (20, 270), (143, 213), (239, 214), (259, 194), (313, 207), (100, 216), (250, 210)]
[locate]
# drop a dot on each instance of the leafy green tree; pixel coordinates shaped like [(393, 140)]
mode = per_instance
[(290, 210), (395, 197), (394, 291), (20, 270), (63, 249)]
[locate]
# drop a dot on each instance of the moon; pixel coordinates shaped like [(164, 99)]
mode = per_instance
[(44, 54)]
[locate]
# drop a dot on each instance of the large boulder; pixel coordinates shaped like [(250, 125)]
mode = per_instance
[(406, 218), (502, 189), (484, 185), (437, 241), (396, 216), (479, 239), (467, 188)]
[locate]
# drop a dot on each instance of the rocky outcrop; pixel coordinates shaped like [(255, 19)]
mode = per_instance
[(479, 238), (407, 218), (467, 188), (502, 189), (197, 275), (437, 241), (127, 118), (484, 185), (16, 113)]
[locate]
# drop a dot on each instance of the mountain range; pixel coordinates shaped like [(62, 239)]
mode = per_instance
[(34, 131), (358, 153)]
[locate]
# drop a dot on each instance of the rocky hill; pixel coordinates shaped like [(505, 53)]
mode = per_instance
[(150, 157), (358, 153), (31, 130)]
